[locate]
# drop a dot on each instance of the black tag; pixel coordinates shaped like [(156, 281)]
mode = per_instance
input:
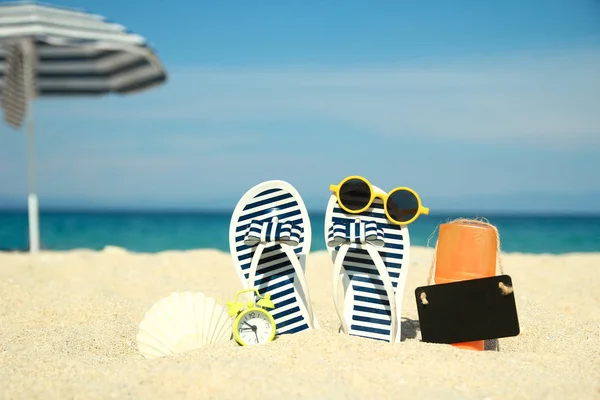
[(465, 311)]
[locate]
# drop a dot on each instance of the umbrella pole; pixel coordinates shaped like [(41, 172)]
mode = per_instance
[(32, 199)]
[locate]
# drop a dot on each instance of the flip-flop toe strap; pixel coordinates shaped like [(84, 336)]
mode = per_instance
[(367, 236), (287, 235), (338, 265)]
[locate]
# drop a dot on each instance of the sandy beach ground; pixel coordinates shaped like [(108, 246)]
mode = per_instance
[(68, 325)]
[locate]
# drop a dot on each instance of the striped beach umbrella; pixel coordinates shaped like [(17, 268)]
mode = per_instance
[(51, 51)]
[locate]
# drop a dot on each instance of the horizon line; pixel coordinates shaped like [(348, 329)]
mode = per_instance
[(216, 211)]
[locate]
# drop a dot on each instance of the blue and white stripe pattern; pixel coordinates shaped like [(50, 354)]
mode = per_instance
[(370, 314), (275, 273), (271, 232), (78, 53), (355, 232)]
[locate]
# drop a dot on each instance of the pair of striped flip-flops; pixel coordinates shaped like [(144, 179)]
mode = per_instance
[(270, 237)]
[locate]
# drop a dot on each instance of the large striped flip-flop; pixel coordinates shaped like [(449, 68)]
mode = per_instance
[(371, 257), (269, 240)]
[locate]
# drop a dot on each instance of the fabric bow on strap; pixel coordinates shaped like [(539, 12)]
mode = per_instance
[(273, 232), (355, 232)]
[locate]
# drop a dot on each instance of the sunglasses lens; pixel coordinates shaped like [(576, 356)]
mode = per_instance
[(402, 205), (355, 194)]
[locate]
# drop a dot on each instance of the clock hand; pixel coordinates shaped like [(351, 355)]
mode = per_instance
[(251, 326), (255, 332)]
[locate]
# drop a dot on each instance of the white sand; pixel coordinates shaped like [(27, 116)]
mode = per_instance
[(68, 323)]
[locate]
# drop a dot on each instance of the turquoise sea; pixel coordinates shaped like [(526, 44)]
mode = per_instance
[(156, 231)]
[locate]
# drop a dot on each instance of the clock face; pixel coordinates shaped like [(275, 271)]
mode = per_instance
[(255, 327)]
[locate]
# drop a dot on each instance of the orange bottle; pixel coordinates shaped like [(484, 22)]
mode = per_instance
[(466, 249)]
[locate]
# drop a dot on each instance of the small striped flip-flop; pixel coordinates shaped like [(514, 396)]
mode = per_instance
[(371, 257), (269, 240)]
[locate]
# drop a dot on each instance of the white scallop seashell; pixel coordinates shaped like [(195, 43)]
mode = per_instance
[(183, 321)]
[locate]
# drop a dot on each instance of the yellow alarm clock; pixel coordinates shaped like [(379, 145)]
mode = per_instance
[(254, 325)]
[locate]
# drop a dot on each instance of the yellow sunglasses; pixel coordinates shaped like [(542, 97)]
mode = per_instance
[(355, 195)]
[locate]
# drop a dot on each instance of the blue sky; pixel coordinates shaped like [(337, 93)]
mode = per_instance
[(476, 105)]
